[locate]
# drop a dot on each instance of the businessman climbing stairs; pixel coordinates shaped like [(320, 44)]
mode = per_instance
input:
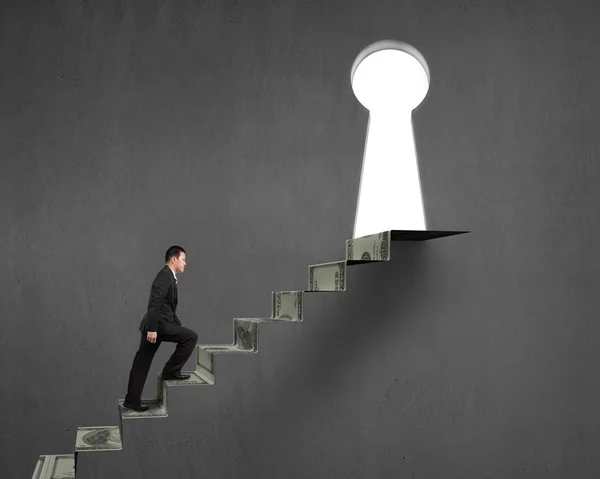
[(285, 306)]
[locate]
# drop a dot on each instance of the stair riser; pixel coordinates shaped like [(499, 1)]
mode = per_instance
[(327, 277), (120, 428), (161, 391), (152, 414), (245, 334), (286, 305), (205, 360), (369, 248), (40, 467)]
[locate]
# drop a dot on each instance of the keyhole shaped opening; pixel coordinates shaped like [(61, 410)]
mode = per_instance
[(390, 79)]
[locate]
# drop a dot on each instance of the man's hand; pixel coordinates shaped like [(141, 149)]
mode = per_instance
[(151, 337)]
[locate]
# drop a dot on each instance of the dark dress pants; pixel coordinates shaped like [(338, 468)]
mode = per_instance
[(186, 341)]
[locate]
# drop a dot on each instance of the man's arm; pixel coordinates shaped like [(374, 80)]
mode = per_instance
[(157, 298)]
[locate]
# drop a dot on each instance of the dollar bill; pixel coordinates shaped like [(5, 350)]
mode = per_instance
[(121, 410), (60, 466), (193, 380), (156, 409), (64, 467), (327, 276), (287, 305), (374, 247), (207, 377), (246, 334), (221, 348), (39, 465), (205, 360), (98, 438)]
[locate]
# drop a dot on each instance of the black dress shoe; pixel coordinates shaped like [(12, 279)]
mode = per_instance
[(135, 407), (167, 376)]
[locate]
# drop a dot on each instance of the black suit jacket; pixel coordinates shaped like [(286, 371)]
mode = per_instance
[(162, 305)]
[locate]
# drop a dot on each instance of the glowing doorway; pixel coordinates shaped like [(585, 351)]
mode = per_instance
[(390, 79)]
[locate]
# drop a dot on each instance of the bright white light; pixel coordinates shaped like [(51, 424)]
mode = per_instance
[(390, 83)]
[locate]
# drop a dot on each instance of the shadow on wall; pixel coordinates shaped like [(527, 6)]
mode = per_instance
[(355, 327)]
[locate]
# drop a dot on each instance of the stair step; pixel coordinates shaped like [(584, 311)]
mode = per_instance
[(208, 377), (245, 334), (194, 380), (58, 466), (98, 438), (422, 235), (222, 348), (369, 248), (327, 276), (245, 331), (156, 410), (286, 305), (204, 365), (376, 247), (264, 320)]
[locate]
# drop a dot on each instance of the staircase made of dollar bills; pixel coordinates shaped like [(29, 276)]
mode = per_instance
[(286, 306)]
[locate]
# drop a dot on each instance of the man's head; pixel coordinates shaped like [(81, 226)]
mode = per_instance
[(175, 258)]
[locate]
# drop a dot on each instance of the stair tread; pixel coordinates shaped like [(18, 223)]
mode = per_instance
[(50, 466), (222, 348), (98, 438), (156, 410), (266, 320), (328, 263), (194, 380), (422, 235), (323, 290)]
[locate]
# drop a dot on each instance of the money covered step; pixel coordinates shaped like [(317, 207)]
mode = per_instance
[(155, 409), (221, 348), (286, 305), (374, 247), (327, 276), (98, 438), (55, 466)]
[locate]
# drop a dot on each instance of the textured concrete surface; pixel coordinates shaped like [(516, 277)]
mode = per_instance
[(230, 128)]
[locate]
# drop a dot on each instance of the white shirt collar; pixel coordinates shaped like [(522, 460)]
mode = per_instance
[(173, 274)]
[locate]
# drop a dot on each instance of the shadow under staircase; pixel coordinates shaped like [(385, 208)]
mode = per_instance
[(286, 306)]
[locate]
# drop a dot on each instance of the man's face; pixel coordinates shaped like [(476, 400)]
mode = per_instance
[(179, 265)]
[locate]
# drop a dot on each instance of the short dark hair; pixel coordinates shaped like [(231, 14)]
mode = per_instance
[(173, 251)]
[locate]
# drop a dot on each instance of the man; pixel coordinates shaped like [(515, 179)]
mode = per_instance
[(160, 323)]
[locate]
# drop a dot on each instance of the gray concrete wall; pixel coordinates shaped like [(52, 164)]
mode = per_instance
[(230, 128)]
